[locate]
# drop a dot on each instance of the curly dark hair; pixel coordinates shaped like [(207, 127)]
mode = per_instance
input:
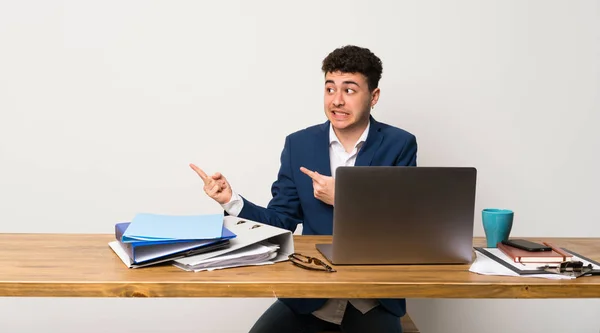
[(355, 59)]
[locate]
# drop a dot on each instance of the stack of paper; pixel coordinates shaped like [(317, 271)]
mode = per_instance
[(492, 261), (485, 265), (151, 239), (255, 254), (255, 244)]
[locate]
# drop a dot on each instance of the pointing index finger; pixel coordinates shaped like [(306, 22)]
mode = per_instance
[(309, 173), (199, 171)]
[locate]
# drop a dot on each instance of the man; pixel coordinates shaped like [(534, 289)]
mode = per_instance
[(304, 189)]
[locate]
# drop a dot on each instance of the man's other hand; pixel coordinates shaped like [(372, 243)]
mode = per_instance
[(215, 186), (323, 186)]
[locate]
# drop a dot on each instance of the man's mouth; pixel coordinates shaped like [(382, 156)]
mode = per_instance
[(340, 113)]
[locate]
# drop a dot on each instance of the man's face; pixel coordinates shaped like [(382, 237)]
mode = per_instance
[(348, 100)]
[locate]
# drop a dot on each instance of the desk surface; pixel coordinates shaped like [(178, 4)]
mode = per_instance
[(75, 265)]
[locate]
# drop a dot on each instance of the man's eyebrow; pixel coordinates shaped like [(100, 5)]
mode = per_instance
[(344, 82)]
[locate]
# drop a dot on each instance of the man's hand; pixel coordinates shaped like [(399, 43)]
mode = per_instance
[(215, 186), (323, 186)]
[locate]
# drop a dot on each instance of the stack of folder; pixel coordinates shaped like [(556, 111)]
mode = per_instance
[(255, 244), (150, 239)]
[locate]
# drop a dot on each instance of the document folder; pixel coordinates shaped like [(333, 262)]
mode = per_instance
[(156, 227), (503, 260), (144, 253), (249, 236)]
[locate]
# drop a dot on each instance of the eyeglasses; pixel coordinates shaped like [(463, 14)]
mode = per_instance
[(307, 262)]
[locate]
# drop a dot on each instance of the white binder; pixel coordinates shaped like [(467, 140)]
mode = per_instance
[(249, 237)]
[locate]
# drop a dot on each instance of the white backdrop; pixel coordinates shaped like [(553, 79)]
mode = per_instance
[(104, 103)]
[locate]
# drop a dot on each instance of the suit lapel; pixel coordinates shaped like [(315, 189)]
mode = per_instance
[(321, 151), (374, 139)]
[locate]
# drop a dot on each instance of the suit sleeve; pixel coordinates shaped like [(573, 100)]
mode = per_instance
[(284, 209), (408, 155)]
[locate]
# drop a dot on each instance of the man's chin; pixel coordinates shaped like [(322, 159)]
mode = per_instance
[(341, 125)]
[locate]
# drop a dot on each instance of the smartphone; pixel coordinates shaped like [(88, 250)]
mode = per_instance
[(527, 245)]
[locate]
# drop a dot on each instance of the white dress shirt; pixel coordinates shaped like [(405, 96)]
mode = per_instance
[(333, 310)]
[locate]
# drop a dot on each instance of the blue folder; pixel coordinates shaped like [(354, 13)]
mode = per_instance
[(147, 252), (156, 227)]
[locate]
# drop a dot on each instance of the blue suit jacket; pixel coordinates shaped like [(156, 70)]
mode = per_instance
[(293, 200)]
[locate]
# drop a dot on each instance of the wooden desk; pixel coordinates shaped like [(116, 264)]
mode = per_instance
[(69, 265)]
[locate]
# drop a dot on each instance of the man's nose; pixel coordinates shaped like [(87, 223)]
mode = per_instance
[(338, 99)]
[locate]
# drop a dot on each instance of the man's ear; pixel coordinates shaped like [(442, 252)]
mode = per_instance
[(375, 97)]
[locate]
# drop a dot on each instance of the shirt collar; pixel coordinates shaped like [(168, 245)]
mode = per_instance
[(333, 137)]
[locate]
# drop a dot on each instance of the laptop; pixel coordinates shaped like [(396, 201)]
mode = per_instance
[(402, 215)]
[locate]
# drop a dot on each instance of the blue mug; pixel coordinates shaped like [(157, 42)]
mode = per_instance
[(497, 224)]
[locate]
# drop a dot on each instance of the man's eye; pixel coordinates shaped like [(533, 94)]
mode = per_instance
[(350, 91), (329, 90)]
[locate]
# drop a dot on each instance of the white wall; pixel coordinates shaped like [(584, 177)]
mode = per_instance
[(104, 103)]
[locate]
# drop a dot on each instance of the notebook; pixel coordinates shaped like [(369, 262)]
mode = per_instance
[(557, 255)]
